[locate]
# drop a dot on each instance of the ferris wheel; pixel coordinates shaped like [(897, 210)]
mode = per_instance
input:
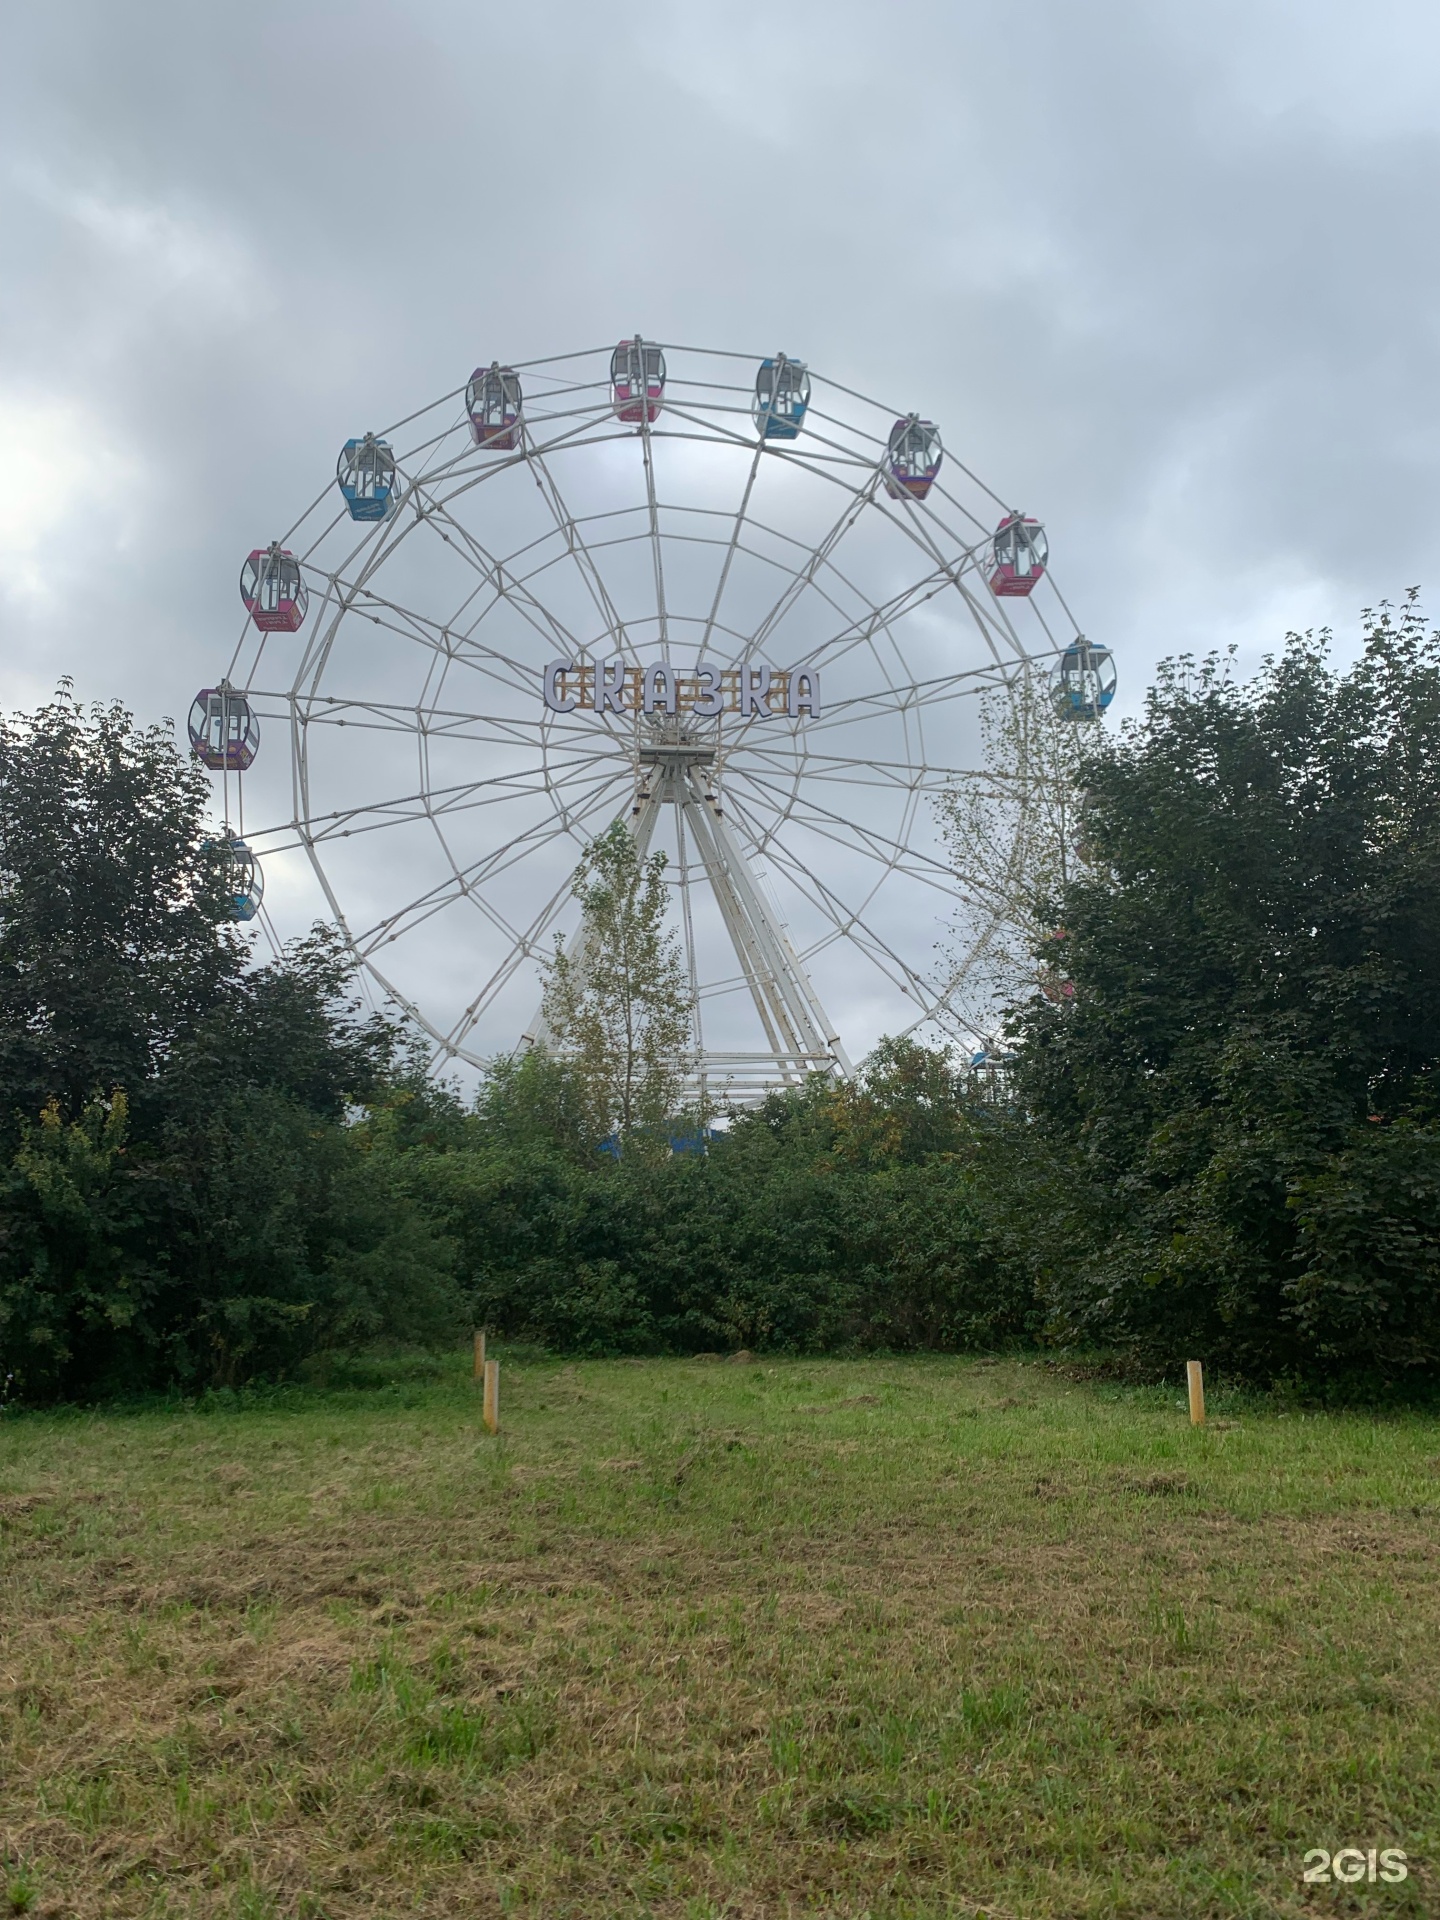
[(740, 607)]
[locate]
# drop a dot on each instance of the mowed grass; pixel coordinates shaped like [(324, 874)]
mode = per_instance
[(889, 1638)]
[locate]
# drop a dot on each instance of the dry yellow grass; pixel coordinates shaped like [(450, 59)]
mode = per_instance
[(900, 1639)]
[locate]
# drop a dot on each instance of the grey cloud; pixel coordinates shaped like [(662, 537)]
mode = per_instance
[(1164, 275)]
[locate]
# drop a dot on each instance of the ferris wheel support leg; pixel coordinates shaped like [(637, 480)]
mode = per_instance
[(785, 985), (758, 977)]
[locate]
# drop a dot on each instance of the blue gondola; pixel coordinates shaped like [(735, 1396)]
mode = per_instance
[(365, 474), (782, 393), (1082, 681), (240, 876)]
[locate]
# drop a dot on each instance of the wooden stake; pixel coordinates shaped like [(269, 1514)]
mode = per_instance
[(492, 1396), (1196, 1379), (479, 1356)]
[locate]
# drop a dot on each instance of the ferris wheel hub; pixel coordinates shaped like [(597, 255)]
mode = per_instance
[(676, 756)]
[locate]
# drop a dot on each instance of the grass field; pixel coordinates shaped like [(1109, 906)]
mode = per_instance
[(893, 1638)]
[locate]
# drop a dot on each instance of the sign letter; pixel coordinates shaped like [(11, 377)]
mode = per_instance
[(754, 692), (805, 692), (661, 694), (707, 684), (610, 686), (554, 699)]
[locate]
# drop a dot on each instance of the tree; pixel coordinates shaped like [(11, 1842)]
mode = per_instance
[(1240, 1098), (1014, 840), (111, 906), (617, 1006), (185, 1194)]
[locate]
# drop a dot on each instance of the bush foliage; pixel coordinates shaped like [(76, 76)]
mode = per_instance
[(832, 1216)]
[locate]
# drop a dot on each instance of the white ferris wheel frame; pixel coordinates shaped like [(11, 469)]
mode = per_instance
[(752, 791)]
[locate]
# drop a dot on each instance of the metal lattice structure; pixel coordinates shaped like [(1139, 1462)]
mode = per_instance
[(515, 572)]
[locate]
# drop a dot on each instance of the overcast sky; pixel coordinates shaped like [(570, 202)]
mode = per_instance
[(1165, 274)]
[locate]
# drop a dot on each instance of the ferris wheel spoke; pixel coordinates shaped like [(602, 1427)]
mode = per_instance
[(487, 661), (383, 540), (656, 556), (568, 527), (841, 767), (526, 947), (861, 631), (463, 882), (433, 803), (441, 635), (888, 850), (582, 427), (344, 593), (849, 923), (917, 520), (568, 749), (853, 508), (890, 854), (851, 926), (942, 1011), (823, 557), (540, 618), (566, 426), (414, 725), (915, 694), (892, 776), (842, 466), (492, 575), (339, 710)]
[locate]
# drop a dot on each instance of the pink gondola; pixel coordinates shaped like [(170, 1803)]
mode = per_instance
[(1017, 556), (273, 589), (493, 401), (637, 379)]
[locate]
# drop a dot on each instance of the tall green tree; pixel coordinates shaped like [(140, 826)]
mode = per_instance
[(618, 1005), (1240, 1094), (112, 934), (189, 1192)]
